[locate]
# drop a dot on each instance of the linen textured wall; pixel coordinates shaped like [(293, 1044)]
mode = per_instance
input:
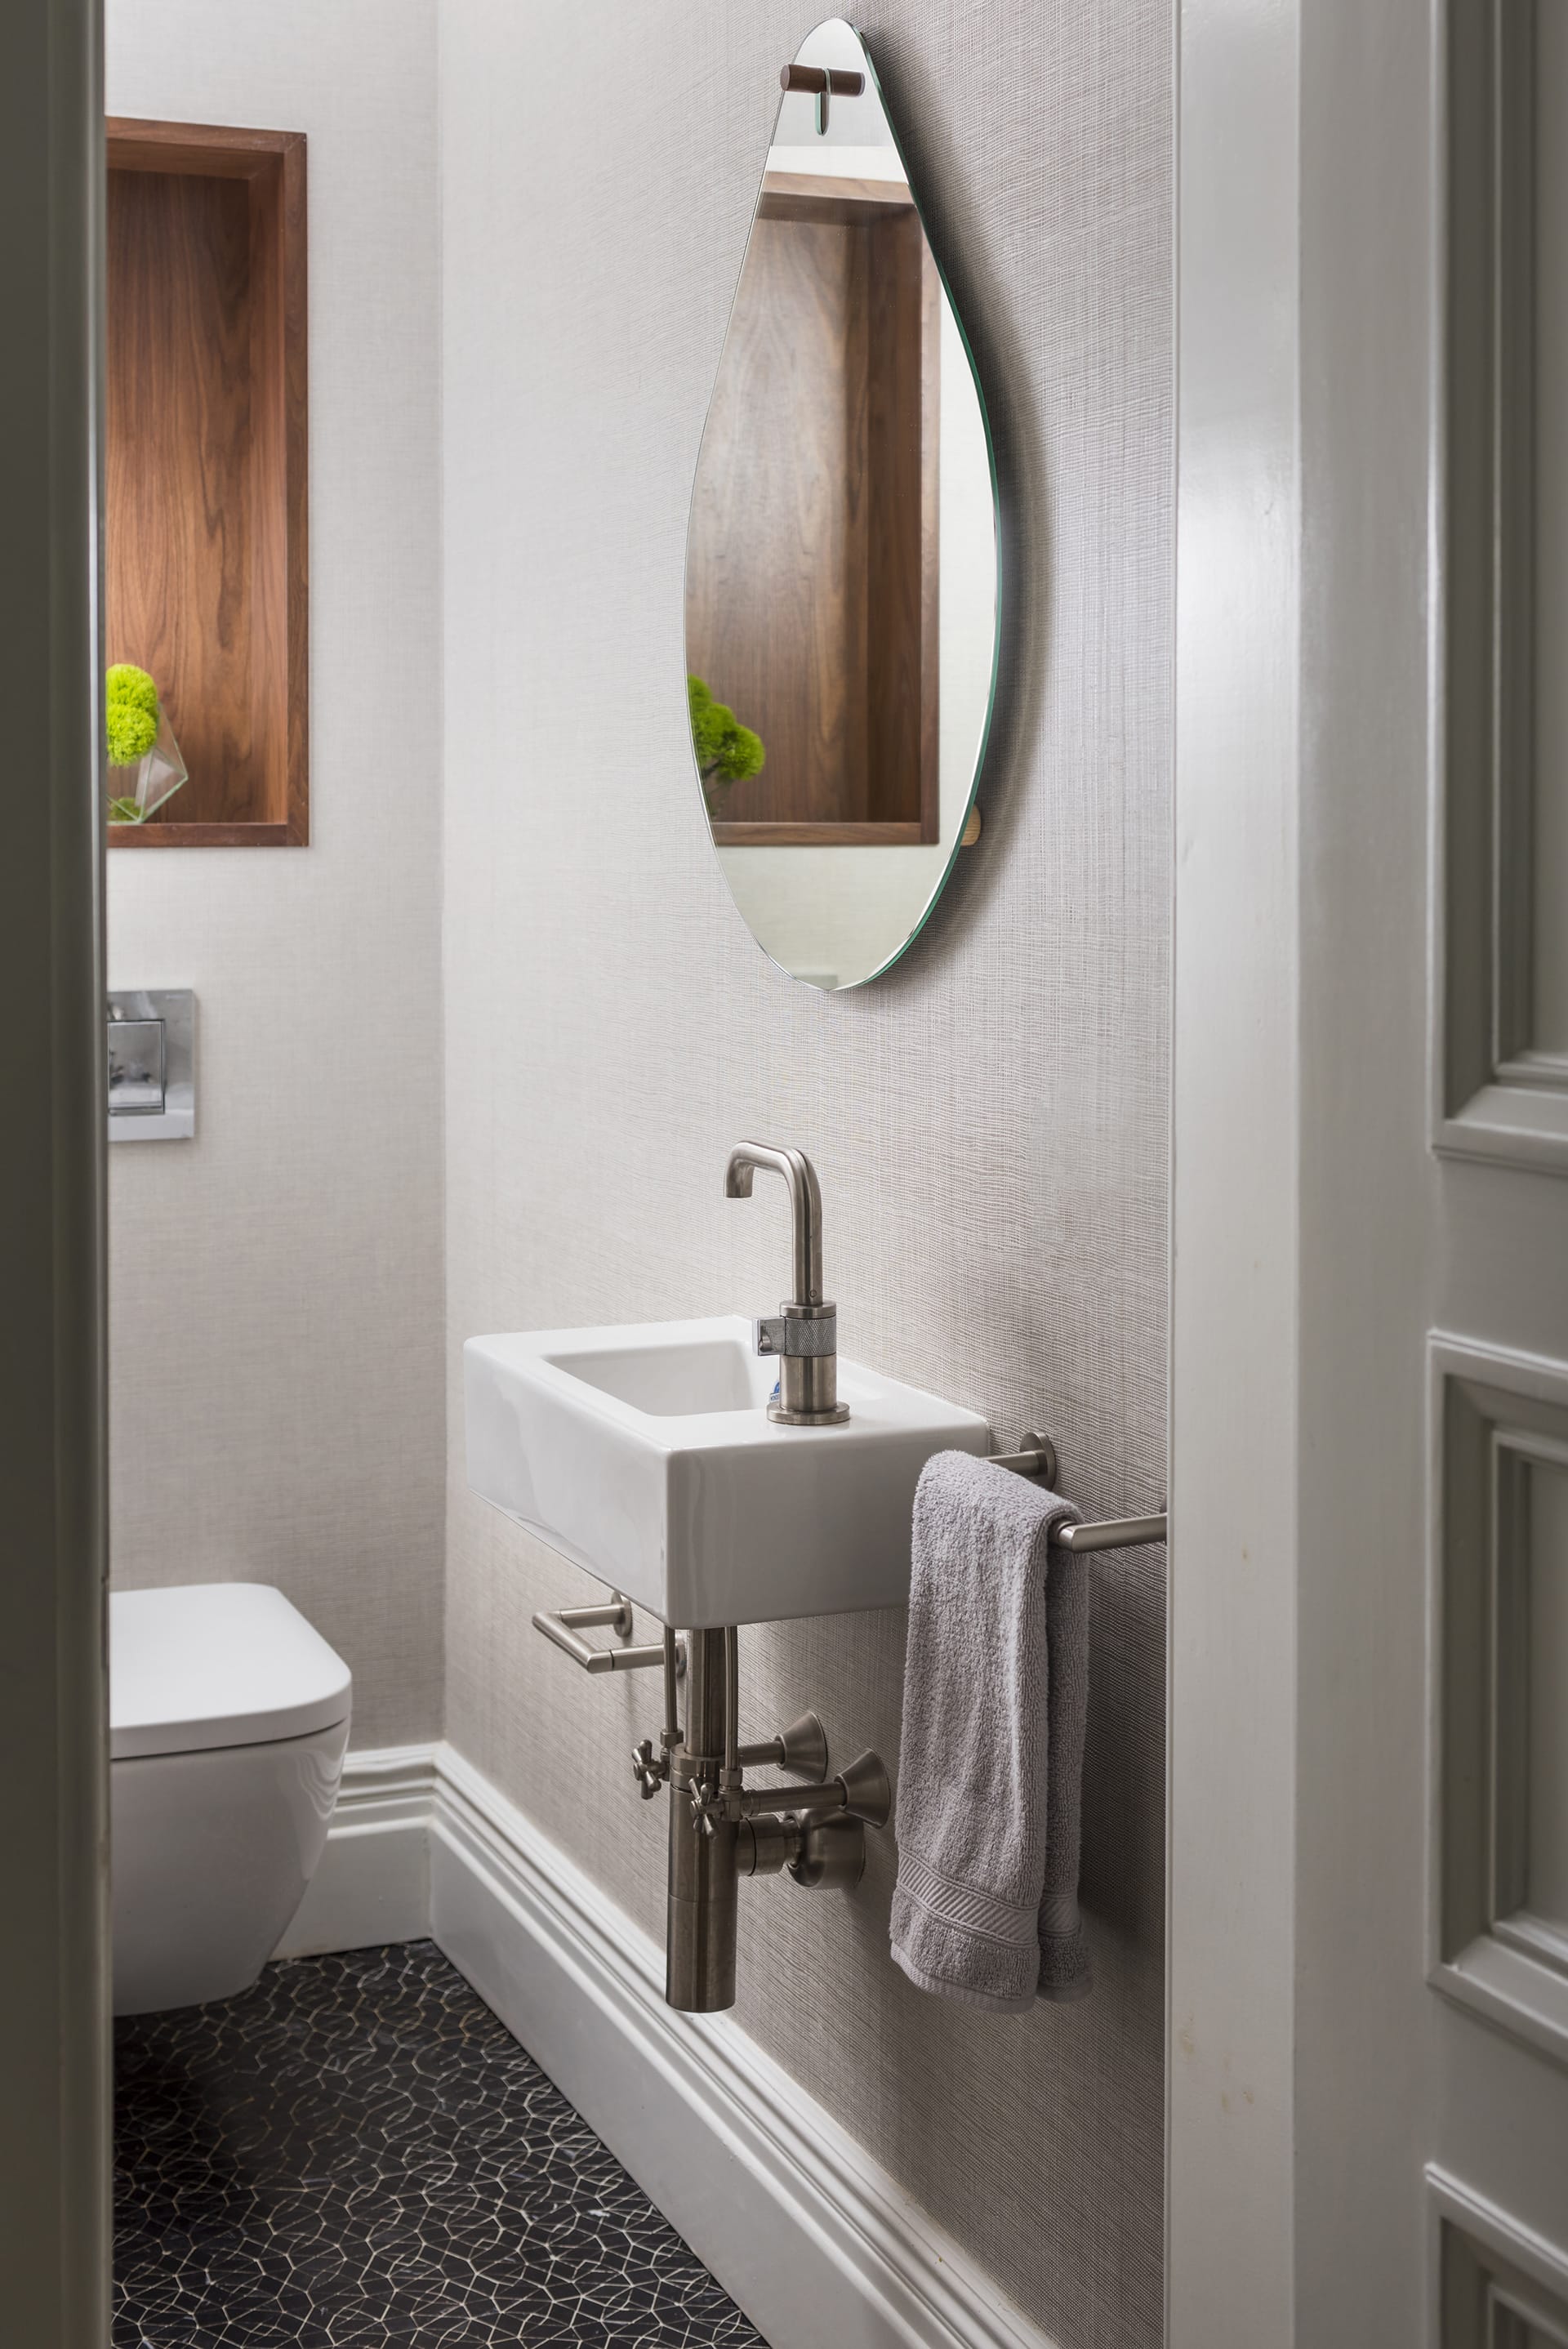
[(276, 1403), (989, 1123)]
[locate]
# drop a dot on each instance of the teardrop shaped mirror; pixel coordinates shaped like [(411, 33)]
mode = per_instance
[(841, 574)]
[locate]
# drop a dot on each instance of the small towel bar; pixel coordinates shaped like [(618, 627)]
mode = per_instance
[(566, 1625), (1038, 1458)]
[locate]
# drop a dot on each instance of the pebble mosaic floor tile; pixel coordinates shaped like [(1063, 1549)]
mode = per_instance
[(357, 2155)]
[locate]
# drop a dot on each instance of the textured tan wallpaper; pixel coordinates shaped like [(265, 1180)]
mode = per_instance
[(989, 1123), (276, 1403)]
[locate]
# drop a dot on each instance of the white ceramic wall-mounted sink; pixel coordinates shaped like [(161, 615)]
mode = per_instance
[(646, 1455)]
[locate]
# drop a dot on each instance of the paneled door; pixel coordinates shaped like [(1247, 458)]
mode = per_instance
[(1369, 1886)]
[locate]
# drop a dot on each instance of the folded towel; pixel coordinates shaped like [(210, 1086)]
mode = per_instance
[(991, 1769)]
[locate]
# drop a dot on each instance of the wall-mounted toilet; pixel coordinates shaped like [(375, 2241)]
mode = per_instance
[(228, 1725)]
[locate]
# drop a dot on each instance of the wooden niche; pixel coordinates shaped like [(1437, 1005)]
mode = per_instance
[(205, 522), (811, 583)]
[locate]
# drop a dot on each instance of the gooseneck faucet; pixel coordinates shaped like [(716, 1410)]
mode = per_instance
[(805, 1335)]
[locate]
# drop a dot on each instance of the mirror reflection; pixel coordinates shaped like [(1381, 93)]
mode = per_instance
[(842, 561)]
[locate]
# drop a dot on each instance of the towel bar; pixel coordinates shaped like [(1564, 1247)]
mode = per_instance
[(565, 1624), (1038, 1458)]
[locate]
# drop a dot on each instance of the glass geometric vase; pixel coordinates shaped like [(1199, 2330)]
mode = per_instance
[(135, 791)]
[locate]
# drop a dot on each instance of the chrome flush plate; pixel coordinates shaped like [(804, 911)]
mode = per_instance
[(151, 1064)]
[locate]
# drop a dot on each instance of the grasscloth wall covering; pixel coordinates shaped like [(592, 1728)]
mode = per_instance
[(989, 1123), (275, 1310)]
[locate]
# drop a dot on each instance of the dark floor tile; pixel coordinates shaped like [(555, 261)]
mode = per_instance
[(357, 2155)]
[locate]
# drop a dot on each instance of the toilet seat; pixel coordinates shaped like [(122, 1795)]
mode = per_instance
[(208, 1664)]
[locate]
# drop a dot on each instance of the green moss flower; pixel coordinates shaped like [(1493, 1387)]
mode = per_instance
[(726, 751), (126, 682), (131, 734), (742, 753), (130, 713)]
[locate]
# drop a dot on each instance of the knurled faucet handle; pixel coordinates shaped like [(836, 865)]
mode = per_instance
[(798, 1334), (648, 1769)]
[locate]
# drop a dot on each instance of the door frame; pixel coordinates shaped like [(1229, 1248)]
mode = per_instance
[(54, 1998), (1235, 1206)]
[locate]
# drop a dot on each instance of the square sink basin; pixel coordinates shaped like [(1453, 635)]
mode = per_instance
[(646, 1455)]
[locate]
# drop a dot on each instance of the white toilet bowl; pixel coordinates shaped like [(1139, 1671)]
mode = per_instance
[(228, 1725)]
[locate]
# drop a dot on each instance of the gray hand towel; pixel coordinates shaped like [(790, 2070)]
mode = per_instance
[(990, 1768)]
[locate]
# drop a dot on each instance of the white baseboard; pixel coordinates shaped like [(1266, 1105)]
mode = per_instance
[(373, 1881), (812, 2238)]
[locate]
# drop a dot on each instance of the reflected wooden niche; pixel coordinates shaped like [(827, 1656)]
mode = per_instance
[(205, 522), (811, 581)]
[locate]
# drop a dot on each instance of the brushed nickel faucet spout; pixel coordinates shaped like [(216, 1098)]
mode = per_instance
[(805, 1206), (805, 1334)]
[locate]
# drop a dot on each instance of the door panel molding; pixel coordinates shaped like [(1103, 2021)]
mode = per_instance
[(1495, 1095), (1494, 2284), (1495, 1417)]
